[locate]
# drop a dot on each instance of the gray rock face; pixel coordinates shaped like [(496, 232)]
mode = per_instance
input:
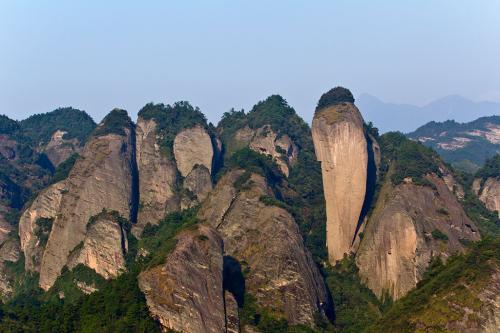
[(185, 294), (103, 248), (266, 241), (157, 177), (102, 178), (409, 225), (199, 183), (341, 147)]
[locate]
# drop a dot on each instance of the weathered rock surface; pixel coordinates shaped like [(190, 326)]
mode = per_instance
[(59, 149), (266, 241), (265, 141), (102, 178), (157, 177), (9, 251), (409, 225), (341, 147), (193, 146), (199, 183), (186, 293), (103, 248), (232, 316), (46, 205), (489, 193)]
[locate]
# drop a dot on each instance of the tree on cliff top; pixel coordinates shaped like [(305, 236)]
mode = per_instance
[(335, 96)]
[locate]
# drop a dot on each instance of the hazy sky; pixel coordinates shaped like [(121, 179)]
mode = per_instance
[(96, 55)]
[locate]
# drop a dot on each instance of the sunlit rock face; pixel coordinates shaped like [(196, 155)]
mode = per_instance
[(488, 192), (409, 225), (341, 147), (264, 242)]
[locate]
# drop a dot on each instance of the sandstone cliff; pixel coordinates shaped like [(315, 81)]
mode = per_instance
[(488, 192), (341, 147), (157, 177), (408, 226), (186, 293), (104, 246), (100, 179), (264, 239), (59, 149)]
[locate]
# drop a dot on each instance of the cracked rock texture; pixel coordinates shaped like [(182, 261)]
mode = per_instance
[(103, 248), (59, 149), (157, 177), (488, 192), (102, 178), (341, 147), (185, 294), (400, 237), (266, 241)]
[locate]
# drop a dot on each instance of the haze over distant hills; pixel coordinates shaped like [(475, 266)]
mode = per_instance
[(407, 118)]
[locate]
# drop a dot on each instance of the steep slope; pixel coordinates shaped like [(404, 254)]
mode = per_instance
[(185, 293), (341, 147), (461, 296), (262, 242), (486, 184), (100, 179), (464, 145), (417, 216), (175, 154)]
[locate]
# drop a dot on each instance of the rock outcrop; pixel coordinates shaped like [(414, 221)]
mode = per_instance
[(58, 149), (341, 147), (409, 225), (103, 248), (488, 192), (100, 179), (193, 146), (157, 177), (186, 293), (264, 239), (9, 251)]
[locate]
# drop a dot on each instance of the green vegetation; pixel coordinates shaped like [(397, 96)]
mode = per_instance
[(437, 234), (356, 307), (271, 201), (335, 96), (410, 159), (40, 127), (42, 232), (115, 122), (63, 169), (445, 292), (477, 150), (172, 119), (8, 126), (491, 168)]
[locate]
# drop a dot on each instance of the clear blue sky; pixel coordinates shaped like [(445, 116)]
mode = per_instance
[(96, 55)]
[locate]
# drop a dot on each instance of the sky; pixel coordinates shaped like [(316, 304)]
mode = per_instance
[(98, 55)]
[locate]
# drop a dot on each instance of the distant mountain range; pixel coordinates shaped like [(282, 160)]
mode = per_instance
[(464, 145), (407, 118)]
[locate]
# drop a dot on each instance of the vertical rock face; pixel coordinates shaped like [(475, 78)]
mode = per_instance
[(409, 225), (265, 240), (489, 193), (59, 149), (185, 294), (157, 177), (341, 147), (45, 206), (102, 178), (192, 147), (103, 248)]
